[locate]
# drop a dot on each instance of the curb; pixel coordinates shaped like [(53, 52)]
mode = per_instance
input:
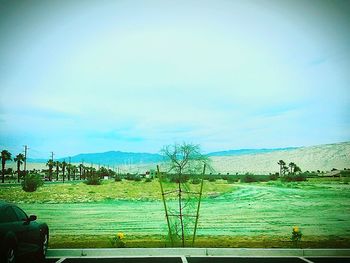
[(195, 252)]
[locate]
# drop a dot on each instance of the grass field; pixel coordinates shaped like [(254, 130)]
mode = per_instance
[(249, 215)]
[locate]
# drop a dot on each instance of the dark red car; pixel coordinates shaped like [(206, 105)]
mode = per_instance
[(21, 237)]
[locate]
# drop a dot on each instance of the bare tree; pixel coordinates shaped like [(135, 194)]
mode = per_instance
[(183, 159)]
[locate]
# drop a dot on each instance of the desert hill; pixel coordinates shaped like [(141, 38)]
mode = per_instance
[(321, 157), (260, 161)]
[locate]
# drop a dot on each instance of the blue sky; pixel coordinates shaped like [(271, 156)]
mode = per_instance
[(92, 76)]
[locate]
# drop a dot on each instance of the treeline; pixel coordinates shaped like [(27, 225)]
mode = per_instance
[(19, 160)]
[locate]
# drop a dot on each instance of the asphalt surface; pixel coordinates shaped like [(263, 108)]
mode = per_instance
[(203, 260)]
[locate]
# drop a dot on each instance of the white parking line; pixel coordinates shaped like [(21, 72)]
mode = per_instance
[(306, 260), (184, 259), (60, 260)]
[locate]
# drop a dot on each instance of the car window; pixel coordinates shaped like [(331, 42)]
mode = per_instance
[(8, 216), (20, 214)]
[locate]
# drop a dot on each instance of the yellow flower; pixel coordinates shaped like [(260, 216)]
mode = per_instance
[(296, 229), (120, 235)]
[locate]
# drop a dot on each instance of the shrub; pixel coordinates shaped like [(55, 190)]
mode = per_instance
[(225, 177), (212, 179), (93, 179), (132, 177), (148, 180), (118, 240), (31, 182), (129, 177), (345, 172), (117, 178), (196, 180), (176, 178), (296, 235), (232, 180), (294, 177), (137, 178), (273, 177), (250, 178)]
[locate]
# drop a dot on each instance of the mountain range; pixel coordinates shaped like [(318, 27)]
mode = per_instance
[(129, 158), (319, 157)]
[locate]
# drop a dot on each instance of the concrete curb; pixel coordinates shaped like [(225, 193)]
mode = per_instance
[(196, 252)]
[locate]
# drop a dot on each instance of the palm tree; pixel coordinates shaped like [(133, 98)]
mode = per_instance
[(297, 169), (5, 156), (58, 165), (281, 163), (63, 165), (19, 159), (81, 166), (292, 167), (285, 169), (69, 169), (50, 164), (74, 170)]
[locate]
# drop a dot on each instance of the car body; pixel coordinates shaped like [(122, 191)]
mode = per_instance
[(21, 236)]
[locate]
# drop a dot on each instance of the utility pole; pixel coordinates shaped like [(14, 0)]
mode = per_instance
[(25, 158)]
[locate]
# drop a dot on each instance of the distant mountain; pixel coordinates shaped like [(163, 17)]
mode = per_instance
[(117, 157), (320, 157), (323, 157), (34, 160), (110, 158), (249, 151), (129, 158)]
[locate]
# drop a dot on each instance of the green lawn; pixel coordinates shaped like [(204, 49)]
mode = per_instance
[(232, 215)]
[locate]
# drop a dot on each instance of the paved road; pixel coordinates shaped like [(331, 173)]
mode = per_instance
[(203, 260)]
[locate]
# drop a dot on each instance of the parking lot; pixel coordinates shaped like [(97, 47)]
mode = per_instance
[(197, 255), (202, 260)]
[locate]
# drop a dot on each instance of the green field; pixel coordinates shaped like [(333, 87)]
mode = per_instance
[(260, 214)]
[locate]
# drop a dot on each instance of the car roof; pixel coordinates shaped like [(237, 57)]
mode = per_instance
[(4, 203)]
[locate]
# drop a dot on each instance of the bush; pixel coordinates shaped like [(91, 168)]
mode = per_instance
[(231, 180), (273, 177), (249, 178), (345, 173), (176, 178), (31, 182), (225, 177), (294, 177), (196, 180), (148, 180), (93, 179), (117, 178), (137, 178), (133, 177), (212, 179)]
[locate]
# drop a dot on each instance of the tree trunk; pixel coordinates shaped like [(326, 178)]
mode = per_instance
[(50, 174), (18, 171), (3, 170), (180, 211)]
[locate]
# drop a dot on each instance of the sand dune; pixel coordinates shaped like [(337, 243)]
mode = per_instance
[(321, 157)]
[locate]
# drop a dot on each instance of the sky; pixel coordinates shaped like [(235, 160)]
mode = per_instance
[(98, 75)]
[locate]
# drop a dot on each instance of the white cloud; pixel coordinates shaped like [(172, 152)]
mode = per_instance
[(226, 74)]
